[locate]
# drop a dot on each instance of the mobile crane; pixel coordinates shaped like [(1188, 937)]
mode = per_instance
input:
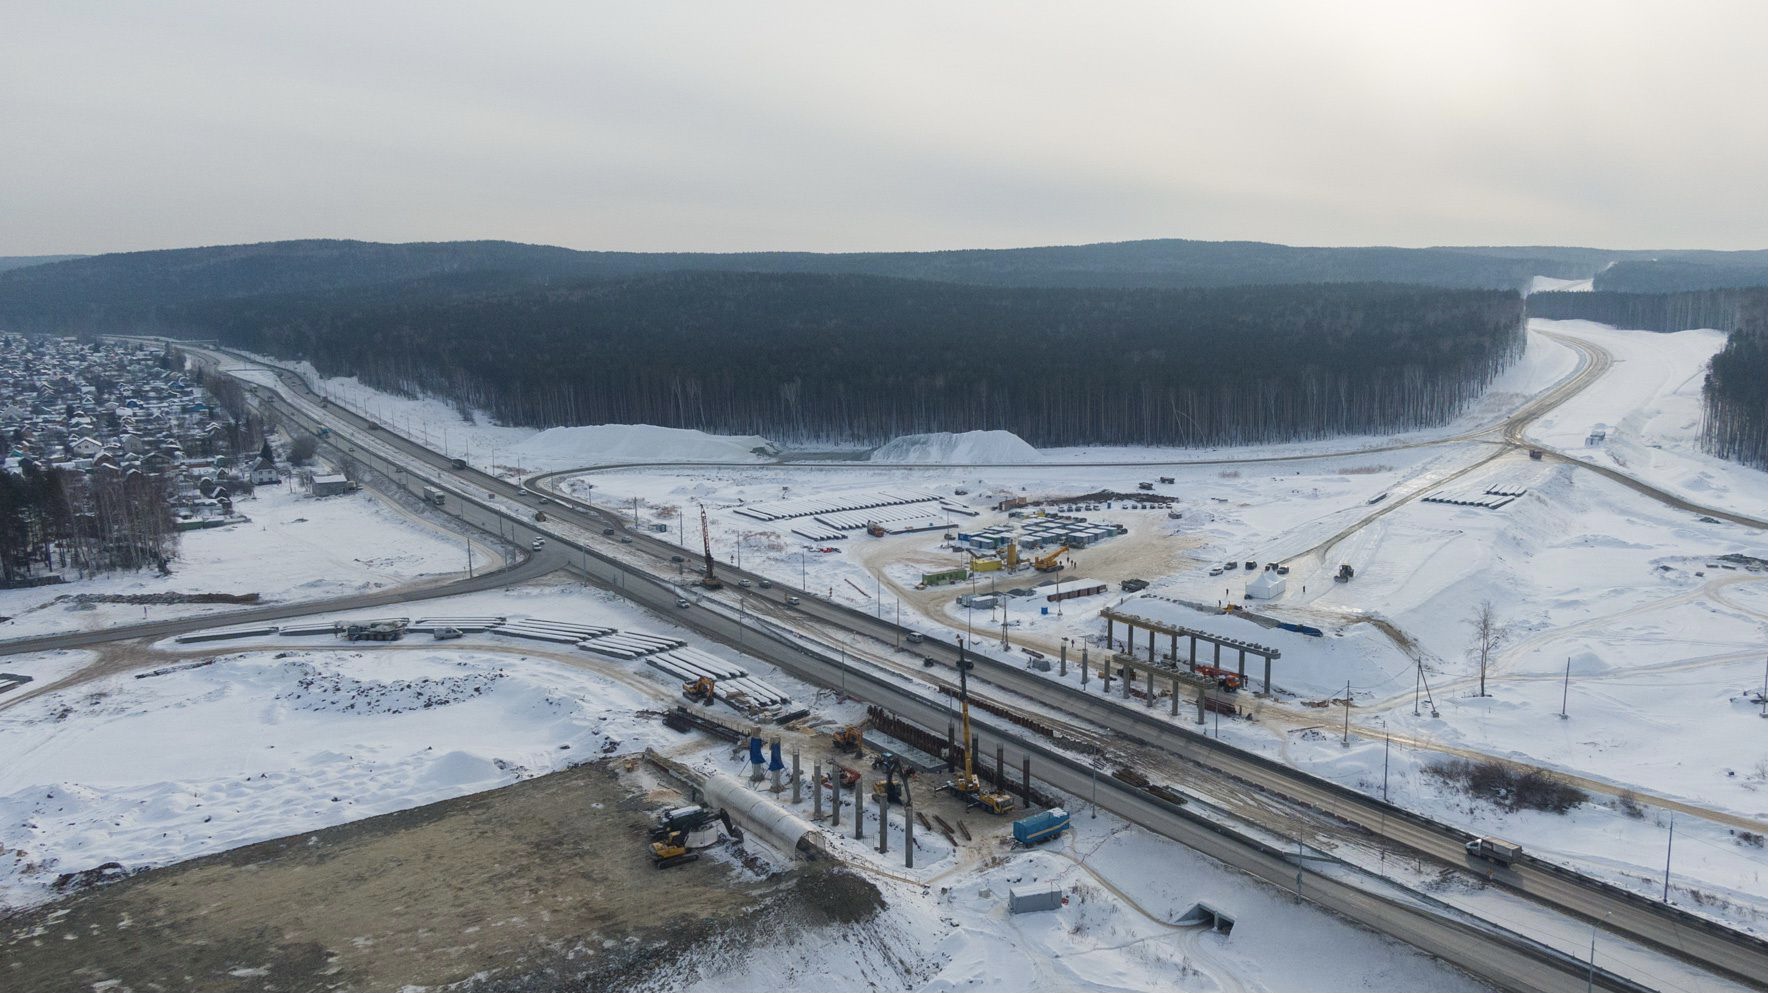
[(968, 786), (710, 580), (1051, 562)]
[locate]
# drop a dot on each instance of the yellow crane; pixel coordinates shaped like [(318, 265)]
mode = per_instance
[(1051, 562), (968, 786)]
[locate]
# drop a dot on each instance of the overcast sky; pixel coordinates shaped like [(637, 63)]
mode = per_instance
[(847, 126)]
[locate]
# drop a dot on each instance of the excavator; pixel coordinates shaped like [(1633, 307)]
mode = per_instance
[(710, 580), (699, 690), (673, 840), (968, 786), (851, 738), (894, 768), (1051, 562)]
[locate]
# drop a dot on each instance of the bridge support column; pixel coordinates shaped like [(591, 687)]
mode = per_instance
[(859, 811), (816, 792), (1193, 652), (797, 781), (1201, 691), (1000, 767), (1242, 667), (1062, 669), (1150, 647), (883, 824), (1129, 676), (1267, 675), (1175, 712)]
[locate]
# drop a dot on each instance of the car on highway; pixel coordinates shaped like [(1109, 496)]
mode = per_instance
[(538, 544), (767, 584), (793, 601), (546, 499), (607, 532), (744, 582), (372, 426), (521, 491), (679, 602), (915, 638), (459, 463), (677, 559), (625, 539)]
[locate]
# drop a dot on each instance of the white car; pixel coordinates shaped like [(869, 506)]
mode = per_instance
[(538, 544), (681, 602)]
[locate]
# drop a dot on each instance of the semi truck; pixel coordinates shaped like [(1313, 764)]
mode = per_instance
[(1494, 850)]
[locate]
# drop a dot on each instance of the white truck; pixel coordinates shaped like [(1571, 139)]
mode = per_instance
[(1494, 850), (434, 496)]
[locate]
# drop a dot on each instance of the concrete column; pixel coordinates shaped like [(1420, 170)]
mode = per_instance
[(835, 796), (859, 810), (1175, 712), (1193, 653), (1242, 667), (1218, 654), (1267, 675), (1025, 779), (797, 781), (1200, 697), (1000, 766), (1150, 648), (1129, 676), (883, 824), (908, 829), (816, 792), (1083, 667), (1110, 632), (1063, 670), (951, 746)]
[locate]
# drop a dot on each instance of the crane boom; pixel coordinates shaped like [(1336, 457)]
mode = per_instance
[(710, 580)]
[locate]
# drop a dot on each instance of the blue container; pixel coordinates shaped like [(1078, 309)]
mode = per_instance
[(1040, 827)]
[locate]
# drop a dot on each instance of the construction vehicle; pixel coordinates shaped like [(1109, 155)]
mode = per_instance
[(434, 496), (1535, 453), (1051, 562), (968, 786), (851, 738), (893, 768), (1144, 486), (1345, 574), (710, 580), (681, 831), (1225, 678), (699, 690), (875, 529)]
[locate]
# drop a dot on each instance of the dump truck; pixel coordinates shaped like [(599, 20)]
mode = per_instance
[(1494, 850), (1040, 827)]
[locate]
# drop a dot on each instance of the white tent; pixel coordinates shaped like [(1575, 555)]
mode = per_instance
[(1266, 585)]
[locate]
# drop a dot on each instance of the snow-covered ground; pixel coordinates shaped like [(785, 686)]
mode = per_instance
[(253, 740), (293, 549), (1649, 404)]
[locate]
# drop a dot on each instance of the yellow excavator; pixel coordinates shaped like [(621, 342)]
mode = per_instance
[(1051, 562), (968, 786), (699, 690)]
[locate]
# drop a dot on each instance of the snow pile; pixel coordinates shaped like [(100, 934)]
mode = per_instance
[(596, 443), (968, 447), (1550, 284)]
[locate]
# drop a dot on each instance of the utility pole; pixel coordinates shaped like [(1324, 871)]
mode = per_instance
[(1386, 748), (1565, 693), (1417, 680), (469, 558), (1347, 713), (1668, 848), (899, 624)]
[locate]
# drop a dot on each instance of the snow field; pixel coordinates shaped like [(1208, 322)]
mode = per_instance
[(293, 549)]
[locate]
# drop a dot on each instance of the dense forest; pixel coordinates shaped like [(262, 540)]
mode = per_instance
[(86, 522), (862, 359), (1724, 309), (1736, 395), (138, 290), (1672, 275)]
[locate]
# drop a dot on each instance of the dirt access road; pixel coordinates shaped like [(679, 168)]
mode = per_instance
[(542, 885)]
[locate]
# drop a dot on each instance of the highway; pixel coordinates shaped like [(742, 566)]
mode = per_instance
[(1718, 948)]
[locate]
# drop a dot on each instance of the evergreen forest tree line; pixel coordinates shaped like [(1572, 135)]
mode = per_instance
[(861, 359)]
